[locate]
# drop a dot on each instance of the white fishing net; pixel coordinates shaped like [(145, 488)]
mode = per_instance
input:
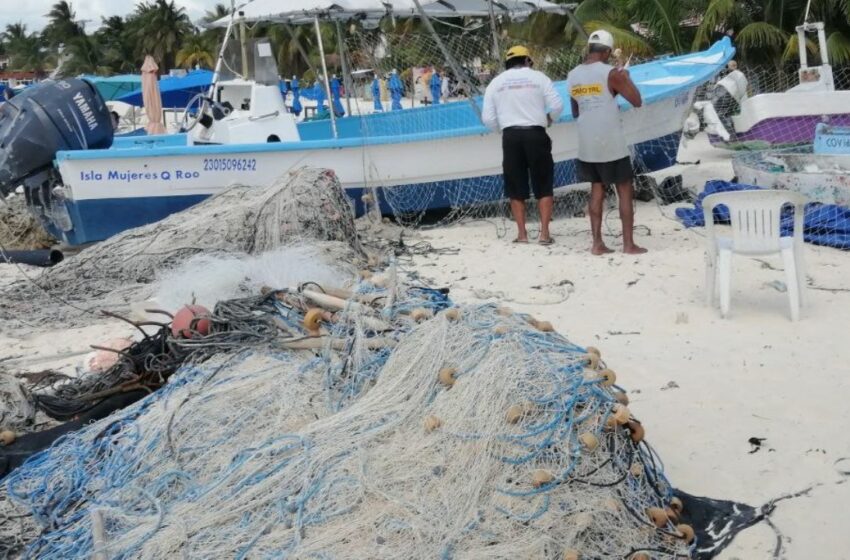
[(416, 55), (17, 412), (19, 230), (207, 279), (480, 435), (721, 113), (243, 220), (774, 138)]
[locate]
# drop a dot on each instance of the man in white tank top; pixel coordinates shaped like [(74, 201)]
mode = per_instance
[(603, 153)]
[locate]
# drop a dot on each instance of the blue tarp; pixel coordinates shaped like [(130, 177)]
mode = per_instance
[(114, 87), (176, 92), (823, 224)]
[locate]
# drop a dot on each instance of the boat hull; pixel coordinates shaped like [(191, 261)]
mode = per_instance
[(413, 160), (107, 195), (96, 219), (776, 120), (821, 178)]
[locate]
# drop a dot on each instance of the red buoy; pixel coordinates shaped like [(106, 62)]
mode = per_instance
[(191, 320)]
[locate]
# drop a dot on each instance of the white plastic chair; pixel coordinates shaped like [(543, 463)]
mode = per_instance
[(755, 217)]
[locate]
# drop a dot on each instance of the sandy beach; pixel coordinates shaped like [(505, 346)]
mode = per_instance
[(702, 386)]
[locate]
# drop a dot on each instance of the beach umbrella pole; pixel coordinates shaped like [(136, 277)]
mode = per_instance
[(325, 74)]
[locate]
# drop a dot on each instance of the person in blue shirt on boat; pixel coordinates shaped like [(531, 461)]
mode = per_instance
[(296, 96), (321, 97), (522, 102), (603, 155), (376, 94), (435, 83), (336, 101), (396, 90)]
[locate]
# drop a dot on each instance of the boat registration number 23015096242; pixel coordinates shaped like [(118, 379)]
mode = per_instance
[(230, 164)]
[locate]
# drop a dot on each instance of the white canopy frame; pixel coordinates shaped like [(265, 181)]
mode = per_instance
[(311, 12)]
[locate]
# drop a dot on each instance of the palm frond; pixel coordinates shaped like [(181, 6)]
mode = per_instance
[(629, 42), (792, 48), (838, 45), (612, 11), (718, 14), (662, 18), (761, 36)]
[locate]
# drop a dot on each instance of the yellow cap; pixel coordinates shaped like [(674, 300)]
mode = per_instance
[(516, 52)]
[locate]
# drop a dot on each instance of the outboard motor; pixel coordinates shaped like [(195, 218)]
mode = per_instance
[(44, 119)]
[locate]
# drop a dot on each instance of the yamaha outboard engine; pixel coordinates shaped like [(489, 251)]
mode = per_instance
[(42, 120)]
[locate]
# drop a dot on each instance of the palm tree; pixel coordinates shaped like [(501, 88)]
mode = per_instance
[(196, 50), (642, 27), (214, 35), (62, 26), (614, 16), (117, 45), (26, 49), (84, 55), (14, 32), (158, 27), (289, 42), (765, 31), (218, 11)]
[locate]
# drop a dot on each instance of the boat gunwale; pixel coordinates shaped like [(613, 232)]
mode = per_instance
[(723, 47)]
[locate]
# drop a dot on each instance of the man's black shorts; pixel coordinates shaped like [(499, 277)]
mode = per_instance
[(527, 154), (607, 173)]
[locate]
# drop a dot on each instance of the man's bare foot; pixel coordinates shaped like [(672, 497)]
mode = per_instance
[(634, 250), (600, 249)]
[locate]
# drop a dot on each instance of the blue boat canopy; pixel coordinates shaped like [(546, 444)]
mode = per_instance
[(113, 87), (176, 92)]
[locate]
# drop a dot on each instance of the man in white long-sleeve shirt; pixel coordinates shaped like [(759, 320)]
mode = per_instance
[(522, 102)]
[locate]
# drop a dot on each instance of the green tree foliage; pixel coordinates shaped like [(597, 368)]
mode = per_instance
[(196, 50), (158, 28), (117, 46), (27, 50), (763, 30), (62, 27)]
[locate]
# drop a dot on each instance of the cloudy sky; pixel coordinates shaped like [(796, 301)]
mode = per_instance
[(32, 12)]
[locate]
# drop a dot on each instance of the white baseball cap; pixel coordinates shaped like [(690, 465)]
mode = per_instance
[(601, 37)]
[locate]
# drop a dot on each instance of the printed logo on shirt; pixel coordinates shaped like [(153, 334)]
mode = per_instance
[(518, 84), (583, 91)]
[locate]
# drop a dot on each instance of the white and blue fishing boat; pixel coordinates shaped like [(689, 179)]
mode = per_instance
[(412, 160)]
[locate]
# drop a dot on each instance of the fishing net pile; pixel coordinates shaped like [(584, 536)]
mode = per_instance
[(18, 227), (400, 427), (305, 204), (17, 411)]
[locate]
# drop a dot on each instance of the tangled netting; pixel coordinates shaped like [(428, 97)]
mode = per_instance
[(306, 204), (478, 433), (470, 69), (19, 229), (17, 411), (778, 153)]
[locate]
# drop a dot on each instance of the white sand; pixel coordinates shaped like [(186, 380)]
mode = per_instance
[(755, 374)]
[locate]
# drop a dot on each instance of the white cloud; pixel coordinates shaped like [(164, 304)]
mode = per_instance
[(32, 12)]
